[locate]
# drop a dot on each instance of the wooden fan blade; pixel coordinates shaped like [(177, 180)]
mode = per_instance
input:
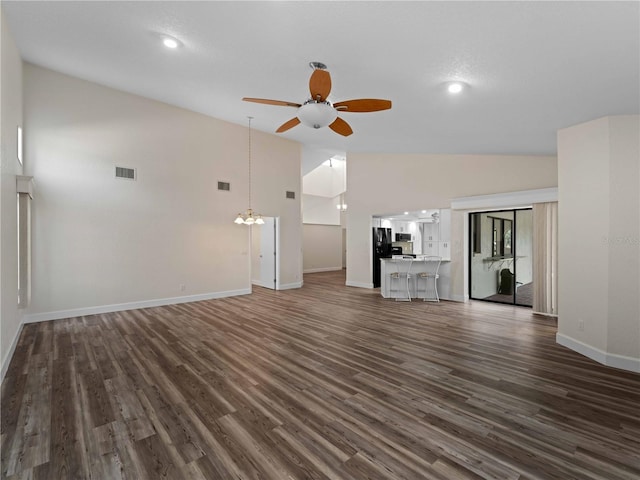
[(280, 103), (320, 85), (341, 127), (363, 105), (288, 124)]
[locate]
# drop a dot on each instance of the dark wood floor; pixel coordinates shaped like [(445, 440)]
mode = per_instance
[(323, 382)]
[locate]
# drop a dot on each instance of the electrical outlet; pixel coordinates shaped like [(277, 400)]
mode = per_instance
[(182, 287), (581, 325)]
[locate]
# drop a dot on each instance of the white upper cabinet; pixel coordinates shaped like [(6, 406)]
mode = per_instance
[(436, 237), (430, 232), (445, 234), (400, 226)]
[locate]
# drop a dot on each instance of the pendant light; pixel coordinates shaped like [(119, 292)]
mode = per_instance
[(341, 205), (249, 218)]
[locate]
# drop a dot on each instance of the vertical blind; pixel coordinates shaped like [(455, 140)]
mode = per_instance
[(545, 258)]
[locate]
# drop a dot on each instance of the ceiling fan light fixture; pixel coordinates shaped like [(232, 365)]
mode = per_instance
[(317, 114)]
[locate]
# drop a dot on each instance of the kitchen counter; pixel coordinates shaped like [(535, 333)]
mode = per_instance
[(389, 265)]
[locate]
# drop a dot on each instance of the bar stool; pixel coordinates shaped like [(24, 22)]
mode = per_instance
[(397, 276), (430, 276)]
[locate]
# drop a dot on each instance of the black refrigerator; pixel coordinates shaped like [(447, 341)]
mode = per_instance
[(381, 249)]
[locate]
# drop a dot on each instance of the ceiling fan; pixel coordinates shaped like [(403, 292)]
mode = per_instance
[(318, 111)]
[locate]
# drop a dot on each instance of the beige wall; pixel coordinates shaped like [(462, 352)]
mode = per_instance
[(599, 239), (11, 101), (276, 170), (322, 247), (624, 237), (388, 183), (101, 241)]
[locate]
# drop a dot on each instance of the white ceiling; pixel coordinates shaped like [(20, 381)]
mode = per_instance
[(532, 67)]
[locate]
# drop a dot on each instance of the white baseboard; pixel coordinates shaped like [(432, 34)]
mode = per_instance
[(610, 359), (325, 269), (7, 358), (262, 284), (289, 286), (79, 312), (349, 283)]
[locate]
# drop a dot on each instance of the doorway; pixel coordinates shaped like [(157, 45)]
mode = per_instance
[(500, 256), (265, 253)]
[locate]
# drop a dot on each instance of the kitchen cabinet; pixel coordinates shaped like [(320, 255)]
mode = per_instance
[(436, 237), (430, 232), (445, 234), (399, 226), (431, 248)]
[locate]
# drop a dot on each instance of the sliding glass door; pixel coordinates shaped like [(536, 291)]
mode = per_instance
[(500, 256)]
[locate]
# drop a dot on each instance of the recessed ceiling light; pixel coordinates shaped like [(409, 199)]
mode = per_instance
[(170, 42), (424, 211), (455, 87), (406, 213)]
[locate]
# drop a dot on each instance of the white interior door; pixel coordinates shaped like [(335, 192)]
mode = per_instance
[(265, 253)]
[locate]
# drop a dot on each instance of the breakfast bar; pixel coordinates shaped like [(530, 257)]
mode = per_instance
[(404, 278)]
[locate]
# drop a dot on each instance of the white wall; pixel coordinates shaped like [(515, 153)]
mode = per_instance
[(322, 248), (11, 110), (391, 183), (101, 241), (599, 239), (320, 210), (325, 180)]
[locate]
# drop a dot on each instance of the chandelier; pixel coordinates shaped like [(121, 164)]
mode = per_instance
[(249, 217)]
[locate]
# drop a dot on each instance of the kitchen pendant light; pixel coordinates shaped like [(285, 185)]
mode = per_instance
[(249, 218)]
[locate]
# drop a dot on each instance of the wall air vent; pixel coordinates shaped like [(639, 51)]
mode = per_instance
[(126, 173), (291, 195), (226, 186)]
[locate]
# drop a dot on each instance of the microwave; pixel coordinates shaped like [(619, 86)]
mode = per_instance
[(403, 237)]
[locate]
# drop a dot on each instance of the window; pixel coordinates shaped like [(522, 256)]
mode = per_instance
[(20, 145)]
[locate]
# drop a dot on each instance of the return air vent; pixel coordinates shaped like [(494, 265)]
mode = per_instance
[(226, 186), (291, 195), (127, 173)]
